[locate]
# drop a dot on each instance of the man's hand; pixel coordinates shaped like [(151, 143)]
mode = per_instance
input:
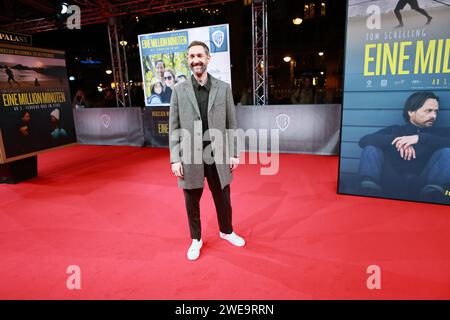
[(405, 141), (177, 170), (408, 153), (234, 162)]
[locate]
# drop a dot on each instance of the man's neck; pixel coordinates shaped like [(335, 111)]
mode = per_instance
[(414, 124), (202, 78), (417, 125)]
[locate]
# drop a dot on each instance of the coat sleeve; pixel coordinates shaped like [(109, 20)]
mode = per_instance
[(231, 124), (174, 129)]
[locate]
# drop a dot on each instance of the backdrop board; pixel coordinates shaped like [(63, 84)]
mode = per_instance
[(307, 128), (395, 139), (310, 129), (35, 107), (164, 59), (110, 126)]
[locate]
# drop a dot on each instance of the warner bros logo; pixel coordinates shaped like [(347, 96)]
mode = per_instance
[(105, 120), (218, 37), (283, 121)]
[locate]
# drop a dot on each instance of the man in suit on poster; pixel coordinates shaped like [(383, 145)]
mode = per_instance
[(202, 106)]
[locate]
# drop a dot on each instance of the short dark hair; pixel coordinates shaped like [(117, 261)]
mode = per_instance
[(199, 43), (416, 101)]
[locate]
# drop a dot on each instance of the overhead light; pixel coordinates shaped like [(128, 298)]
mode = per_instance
[(320, 53), (108, 71), (297, 21), (123, 43), (321, 72), (287, 59), (64, 7), (72, 78)]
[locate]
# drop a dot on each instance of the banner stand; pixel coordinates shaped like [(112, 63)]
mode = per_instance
[(19, 170)]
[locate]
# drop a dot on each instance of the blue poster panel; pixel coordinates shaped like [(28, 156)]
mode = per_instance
[(395, 138)]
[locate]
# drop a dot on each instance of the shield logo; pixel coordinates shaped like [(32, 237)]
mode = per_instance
[(283, 121), (105, 119), (217, 38)]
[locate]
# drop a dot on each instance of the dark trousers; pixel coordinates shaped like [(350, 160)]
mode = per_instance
[(374, 166), (414, 5), (221, 200)]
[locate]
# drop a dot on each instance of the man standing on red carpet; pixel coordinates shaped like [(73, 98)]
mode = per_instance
[(202, 124)]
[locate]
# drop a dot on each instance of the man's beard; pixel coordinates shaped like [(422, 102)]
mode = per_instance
[(198, 68)]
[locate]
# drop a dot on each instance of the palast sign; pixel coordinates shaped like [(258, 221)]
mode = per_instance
[(16, 38)]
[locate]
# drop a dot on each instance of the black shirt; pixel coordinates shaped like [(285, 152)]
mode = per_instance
[(166, 94), (202, 96)]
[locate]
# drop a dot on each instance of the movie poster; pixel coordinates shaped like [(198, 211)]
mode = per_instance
[(156, 126), (35, 107), (395, 139), (164, 59)]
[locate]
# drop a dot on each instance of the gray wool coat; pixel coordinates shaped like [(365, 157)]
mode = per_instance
[(185, 133)]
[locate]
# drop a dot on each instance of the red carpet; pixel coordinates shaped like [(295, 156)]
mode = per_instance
[(117, 213)]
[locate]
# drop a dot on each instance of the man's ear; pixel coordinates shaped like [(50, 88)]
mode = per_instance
[(411, 114)]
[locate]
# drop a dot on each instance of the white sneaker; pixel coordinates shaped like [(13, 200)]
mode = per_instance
[(233, 238), (194, 250)]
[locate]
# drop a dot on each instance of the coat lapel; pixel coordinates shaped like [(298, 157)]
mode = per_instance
[(191, 95), (213, 92)]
